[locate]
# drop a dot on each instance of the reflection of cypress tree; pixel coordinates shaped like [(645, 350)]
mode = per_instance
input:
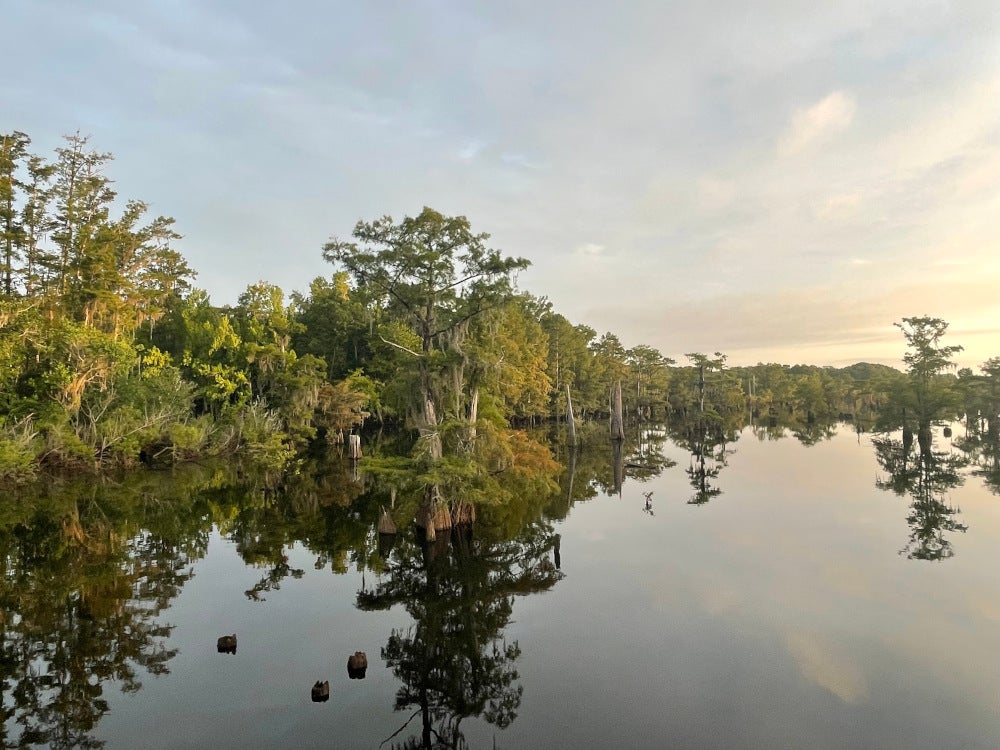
[(460, 591), (925, 475), (84, 579), (988, 466), (984, 454), (706, 439)]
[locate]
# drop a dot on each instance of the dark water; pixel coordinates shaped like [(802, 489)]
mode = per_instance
[(772, 595)]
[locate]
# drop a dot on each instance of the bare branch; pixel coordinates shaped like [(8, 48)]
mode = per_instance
[(399, 346)]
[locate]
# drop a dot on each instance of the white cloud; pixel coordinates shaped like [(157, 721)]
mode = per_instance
[(816, 124)]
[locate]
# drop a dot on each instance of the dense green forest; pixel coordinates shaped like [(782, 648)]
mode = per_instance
[(111, 357)]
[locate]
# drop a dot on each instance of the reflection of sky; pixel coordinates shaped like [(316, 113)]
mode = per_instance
[(778, 181), (780, 614)]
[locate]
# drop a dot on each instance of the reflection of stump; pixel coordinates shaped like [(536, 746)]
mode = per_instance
[(357, 664), (385, 544), (618, 463), (907, 439), (436, 547), (321, 691), (924, 440)]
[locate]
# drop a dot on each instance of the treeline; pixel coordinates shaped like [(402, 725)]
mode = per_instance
[(109, 356)]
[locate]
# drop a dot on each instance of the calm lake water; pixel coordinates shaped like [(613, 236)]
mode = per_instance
[(776, 595)]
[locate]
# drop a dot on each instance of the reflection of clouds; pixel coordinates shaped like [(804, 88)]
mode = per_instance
[(826, 665), (719, 601), (986, 608), (594, 536), (851, 581)]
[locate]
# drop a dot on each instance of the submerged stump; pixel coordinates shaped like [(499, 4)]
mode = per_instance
[(357, 665), (321, 691)]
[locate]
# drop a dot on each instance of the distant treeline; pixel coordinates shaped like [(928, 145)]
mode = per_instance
[(109, 356)]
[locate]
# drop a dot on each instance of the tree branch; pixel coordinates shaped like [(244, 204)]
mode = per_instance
[(399, 346)]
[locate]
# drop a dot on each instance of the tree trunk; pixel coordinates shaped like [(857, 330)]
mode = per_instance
[(617, 429), (473, 414), (427, 427), (570, 422)]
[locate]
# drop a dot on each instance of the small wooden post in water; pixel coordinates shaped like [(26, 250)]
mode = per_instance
[(354, 445)]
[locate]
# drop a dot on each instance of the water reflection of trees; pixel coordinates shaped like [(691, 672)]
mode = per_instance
[(454, 662), (707, 438), (321, 505), (925, 475), (982, 450), (86, 572), (598, 466)]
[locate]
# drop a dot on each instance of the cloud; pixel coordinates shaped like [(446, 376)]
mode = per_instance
[(816, 124)]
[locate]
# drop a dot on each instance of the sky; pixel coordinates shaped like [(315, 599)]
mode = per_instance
[(776, 180)]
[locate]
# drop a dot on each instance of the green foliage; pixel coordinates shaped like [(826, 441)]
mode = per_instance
[(433, 275), (18, 451), (260, 436), (926, 395)]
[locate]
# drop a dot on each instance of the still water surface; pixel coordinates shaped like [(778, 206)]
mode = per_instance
[(790, 610)]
